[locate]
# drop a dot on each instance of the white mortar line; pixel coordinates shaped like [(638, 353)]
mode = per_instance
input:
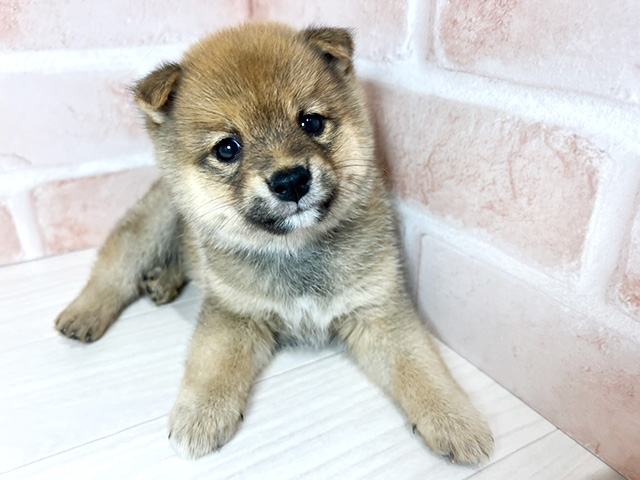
[(12, 183), (435, 38), (409, 43), (609, 226), (26, 224), (139, 59), (607, 121)]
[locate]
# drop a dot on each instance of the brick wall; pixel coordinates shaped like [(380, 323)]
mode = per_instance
[(510, 130)]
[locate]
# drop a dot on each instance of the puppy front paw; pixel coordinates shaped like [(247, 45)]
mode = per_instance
[(462, 435), (197, 428), (162, 285), (84, 324)]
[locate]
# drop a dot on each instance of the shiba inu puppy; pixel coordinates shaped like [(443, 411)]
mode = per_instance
[(271, 200)]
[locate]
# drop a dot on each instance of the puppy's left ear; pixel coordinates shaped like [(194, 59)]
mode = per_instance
[(335, 45), (154, 92)]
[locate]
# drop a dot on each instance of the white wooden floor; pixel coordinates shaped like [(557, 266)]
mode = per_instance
[(70, 411)]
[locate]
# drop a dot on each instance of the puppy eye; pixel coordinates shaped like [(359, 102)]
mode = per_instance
[(227, 149), (312, 124)]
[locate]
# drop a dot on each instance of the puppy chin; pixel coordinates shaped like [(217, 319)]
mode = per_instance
[(283, 224), (301, 219)]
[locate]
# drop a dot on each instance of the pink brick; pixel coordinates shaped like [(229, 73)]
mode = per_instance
[(10, 249), (42, 24), (628, 279), (69, 118), (380, 28), (576, 370), (79, 213), (526, 186), (590, 46)]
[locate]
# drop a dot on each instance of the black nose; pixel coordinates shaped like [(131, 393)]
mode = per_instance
[(291, 185)]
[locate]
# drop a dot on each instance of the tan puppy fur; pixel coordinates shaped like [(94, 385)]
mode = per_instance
[(271, 200)]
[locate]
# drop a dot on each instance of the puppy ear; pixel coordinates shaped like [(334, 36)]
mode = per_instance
[(153, 92), (334, 44)]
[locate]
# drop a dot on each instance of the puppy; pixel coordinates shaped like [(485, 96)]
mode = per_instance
[(271, 200)]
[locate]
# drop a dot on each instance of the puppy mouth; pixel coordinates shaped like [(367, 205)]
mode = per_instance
[(263, 217)]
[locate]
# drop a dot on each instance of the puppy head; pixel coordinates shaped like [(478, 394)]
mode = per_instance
[(261, 133)]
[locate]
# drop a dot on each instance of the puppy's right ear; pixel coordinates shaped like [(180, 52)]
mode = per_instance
[(154, 92)]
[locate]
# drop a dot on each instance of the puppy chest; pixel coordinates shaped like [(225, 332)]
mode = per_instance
[(300, 290), (307, 311), (306, 320)]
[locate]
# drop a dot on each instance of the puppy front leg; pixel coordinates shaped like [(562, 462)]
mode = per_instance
[(146, 237), (395, 350), (227, 352)]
